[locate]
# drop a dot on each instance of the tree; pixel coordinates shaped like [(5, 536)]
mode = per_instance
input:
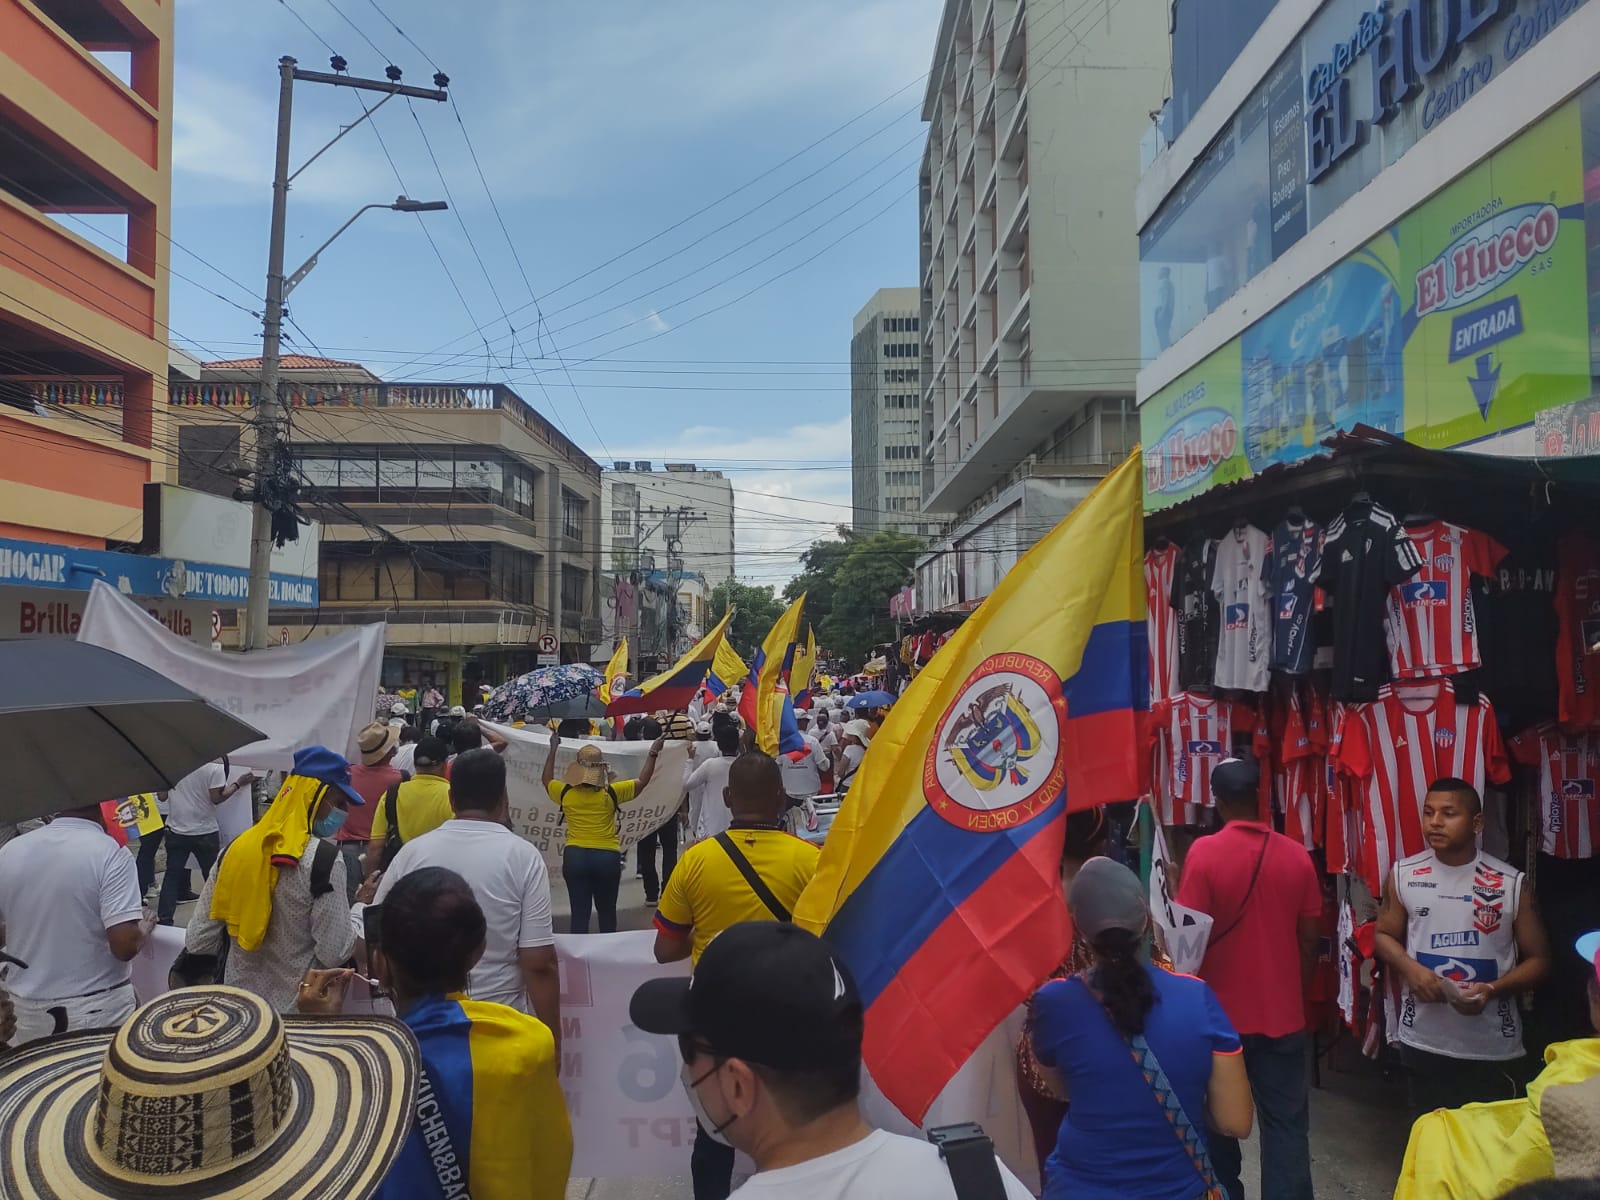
[(758, 608), (872, 569), (820, 564)]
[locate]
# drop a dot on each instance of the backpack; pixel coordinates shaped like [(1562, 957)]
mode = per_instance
[(392, 841), (616, 804)]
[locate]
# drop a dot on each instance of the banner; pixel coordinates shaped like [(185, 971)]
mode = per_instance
[(1183, 932), (537, 819), (630, 1117), (319, 692)]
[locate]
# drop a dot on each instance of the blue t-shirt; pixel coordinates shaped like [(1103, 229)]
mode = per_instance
[(1291, 570), (1116, 1143)]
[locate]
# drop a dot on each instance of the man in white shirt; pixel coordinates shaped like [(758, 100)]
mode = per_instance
[(192, 829), (70, 908), (802, 773), (508, 877), (824, 731), (708, 809), (770, 1028)]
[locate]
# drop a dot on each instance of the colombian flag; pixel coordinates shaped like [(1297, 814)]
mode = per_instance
[(726, 668), (805, 665), (940, 881), (764, 701), (616, 673), (676, 686)]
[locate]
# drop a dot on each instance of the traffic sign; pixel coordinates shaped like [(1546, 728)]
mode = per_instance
[(283, 635), (216, 626), (548, 643)]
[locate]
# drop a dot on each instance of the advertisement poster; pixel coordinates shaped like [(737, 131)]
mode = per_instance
[(1465, 318)]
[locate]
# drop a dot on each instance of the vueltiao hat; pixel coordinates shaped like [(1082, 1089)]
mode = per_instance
[(208, 1094)]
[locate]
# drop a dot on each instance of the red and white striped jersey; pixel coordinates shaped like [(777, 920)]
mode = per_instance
[(1569, 787), (1299, 774), (1161, 620), (1429, 622), (1340, 835), (1413, 734), (1196, 733)]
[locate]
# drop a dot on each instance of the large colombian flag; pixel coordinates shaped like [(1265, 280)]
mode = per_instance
[(727, 668), (764, 701), (940, 880), (677, 685)]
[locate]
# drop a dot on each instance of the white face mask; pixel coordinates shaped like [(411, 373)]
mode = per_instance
[(711, 1127)]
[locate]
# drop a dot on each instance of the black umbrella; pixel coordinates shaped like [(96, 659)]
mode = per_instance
[(86, 724)]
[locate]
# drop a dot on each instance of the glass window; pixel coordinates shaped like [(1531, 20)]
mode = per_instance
[(573, 589), (398, 473), (358, 471), (574, 510), (320, 472), (436, 473)]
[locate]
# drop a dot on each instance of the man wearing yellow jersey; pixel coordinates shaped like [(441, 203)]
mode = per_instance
[(753, 872), (421, 803), (590, 799)]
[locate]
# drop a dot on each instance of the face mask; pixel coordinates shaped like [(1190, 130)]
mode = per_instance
[(330, 824), (700, 1114)]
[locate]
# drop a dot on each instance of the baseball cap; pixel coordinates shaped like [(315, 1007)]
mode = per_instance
[(431, 750), (1589, 947), (768, 992), (1235, 775), (1106, 895), (397, 709), (457, 711)]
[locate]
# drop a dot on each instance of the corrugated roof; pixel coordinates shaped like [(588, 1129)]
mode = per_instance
[(289, 362)]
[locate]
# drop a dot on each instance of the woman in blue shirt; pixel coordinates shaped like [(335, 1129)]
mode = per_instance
[(1117, 1142)]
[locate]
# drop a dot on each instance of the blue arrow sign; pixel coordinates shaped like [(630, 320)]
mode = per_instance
[(1483, 384)]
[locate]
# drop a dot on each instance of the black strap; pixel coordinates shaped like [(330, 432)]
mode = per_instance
[(757, 884), (392, 840), (322, 867), (616, 803), (449, 1171), (968, 1153), (1216, 937)]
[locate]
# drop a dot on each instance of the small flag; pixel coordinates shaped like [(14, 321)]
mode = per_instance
[(616, 679)]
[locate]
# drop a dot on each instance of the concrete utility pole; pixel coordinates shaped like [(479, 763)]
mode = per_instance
[(271, 419)]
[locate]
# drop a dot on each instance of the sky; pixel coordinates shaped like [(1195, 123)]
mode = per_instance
[(675, 196)]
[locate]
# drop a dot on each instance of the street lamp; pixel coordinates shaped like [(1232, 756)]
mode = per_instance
[(401, 204)]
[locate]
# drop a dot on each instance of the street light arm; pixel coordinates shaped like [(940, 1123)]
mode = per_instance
[(305, 268)]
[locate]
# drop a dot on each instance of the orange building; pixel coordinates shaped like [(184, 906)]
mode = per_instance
[(85, 105)]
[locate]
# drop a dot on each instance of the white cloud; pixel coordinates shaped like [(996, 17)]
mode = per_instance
[(655, 322)]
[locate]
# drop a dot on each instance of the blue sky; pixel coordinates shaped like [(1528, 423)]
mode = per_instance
[(597, 126)]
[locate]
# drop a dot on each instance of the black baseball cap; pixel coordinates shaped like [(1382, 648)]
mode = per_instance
[(770, 993), (1235, 776)]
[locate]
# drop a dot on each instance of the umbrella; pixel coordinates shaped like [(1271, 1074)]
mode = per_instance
[(869, 700), (548, 694), (89, 725)]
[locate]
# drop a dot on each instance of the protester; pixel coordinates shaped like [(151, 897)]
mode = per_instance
[(399, 714), (490, 1121), (755, 871), (590, 802), (826, 734), (1464, 940), (271, 905), (469, 734), (1262, 893), (208, 1094), (769, 1028), (852, 748), (405, 753), (802, 769), (149, 845), (70, 909), (1147, 1059), (708, 810), (374, 775), (432, 701), (192, 829), (678, 728), (508, 878), (421, 804)]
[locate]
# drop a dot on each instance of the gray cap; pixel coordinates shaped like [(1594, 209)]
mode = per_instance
[(1106, 895)]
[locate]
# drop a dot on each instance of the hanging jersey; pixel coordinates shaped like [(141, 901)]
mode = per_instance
[(1430, 619), (1516, 612), (1291, 569), (1413, 734), (1459, 925), (1244, 644), (1160, 567), (1364, 553), (1578, 629), (1196, 734), (1198, 615), (1300, 774), (1569, 787)]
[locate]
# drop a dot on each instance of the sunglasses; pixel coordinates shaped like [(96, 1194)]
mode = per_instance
[(690, 1048)]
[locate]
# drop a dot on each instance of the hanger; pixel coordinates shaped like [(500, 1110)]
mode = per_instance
[(1296, 515), (1241, 523)]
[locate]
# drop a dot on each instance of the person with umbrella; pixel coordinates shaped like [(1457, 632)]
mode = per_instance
[(590, 802)]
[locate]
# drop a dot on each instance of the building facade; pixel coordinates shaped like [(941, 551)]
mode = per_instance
[(1380, 215), (452, 512), (886, 413), (1029, 282), (85, 106)]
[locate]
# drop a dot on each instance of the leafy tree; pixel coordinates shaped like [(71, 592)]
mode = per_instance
[(757, 608), (819, 563), (872, 569)]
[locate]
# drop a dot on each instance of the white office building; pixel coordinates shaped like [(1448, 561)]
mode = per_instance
[(886, 412)]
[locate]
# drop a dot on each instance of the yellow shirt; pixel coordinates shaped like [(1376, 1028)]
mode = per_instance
[(591, 815), (706, 893), (422, 806)]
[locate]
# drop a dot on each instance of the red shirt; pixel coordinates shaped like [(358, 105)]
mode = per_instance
[(371, 783), (1254, 967)]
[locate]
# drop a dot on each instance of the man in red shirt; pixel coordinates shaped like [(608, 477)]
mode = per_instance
[(1264, 898), (371, 777)]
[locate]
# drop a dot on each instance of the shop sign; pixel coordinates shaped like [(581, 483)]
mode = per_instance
[(1465, 318), (49, 612), (70, 568)]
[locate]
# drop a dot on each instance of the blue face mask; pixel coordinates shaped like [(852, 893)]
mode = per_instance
[(330, 824)]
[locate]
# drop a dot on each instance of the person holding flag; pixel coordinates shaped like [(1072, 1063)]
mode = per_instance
[(672, 690), (764, 702)]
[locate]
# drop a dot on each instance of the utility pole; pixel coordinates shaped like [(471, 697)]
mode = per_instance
[(271, 413)]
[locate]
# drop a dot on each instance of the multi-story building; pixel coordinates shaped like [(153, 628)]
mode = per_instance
[(85, 106), (669, 540), (1029, 278), (1377, 214), (886, 413), (452, 512)]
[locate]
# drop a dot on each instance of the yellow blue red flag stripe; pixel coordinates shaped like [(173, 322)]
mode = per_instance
[(676, 686), (940, 880)]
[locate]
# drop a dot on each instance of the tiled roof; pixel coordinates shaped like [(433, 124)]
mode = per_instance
[(289, 362)]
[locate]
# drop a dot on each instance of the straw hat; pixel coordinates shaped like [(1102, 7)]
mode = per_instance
[(588, 769), (678, 728), (376, 740), (207, 1094)]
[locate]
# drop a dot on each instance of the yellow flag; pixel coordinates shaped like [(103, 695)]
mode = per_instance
[(140, 811), (727, 669), (805, 665), (616, 679), (771, 699)]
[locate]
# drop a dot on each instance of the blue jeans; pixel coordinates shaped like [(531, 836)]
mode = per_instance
[(593, 878), (1278, 1081), (176, 881)]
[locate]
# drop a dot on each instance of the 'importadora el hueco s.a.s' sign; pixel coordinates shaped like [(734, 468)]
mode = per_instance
[(1464, 319)]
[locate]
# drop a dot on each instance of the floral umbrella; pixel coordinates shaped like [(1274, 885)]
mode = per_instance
[(548, 694)]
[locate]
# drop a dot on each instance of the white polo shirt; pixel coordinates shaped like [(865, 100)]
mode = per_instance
[(803, 779), (61, 888), (190, 811), (708, 809), (508, 878)]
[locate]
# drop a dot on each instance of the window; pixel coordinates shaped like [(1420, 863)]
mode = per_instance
[(436, 474), (398, 472), (318, 472), (359, 472), (574, 589), (574, 512)]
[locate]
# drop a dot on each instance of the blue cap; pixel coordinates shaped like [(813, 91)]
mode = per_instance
[(1589, 946), (320, 763)]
